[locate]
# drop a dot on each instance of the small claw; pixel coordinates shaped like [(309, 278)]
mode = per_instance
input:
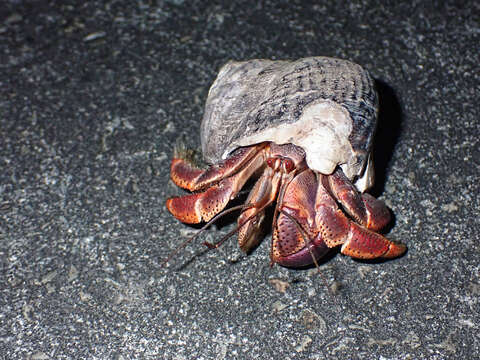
[(250, 228), (362, 243), (250, 220)]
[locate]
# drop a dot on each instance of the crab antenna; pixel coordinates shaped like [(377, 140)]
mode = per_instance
[(309, 239), (205, 227)]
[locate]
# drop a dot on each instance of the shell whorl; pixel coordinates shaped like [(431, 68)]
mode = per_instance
[(249, 97)]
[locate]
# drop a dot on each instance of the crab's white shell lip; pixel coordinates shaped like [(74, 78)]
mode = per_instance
[(322, 132)]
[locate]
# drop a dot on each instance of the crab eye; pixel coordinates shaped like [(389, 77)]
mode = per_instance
[(288, 165), (270, 162)]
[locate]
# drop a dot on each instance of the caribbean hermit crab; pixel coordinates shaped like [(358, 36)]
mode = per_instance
[(307, 127)]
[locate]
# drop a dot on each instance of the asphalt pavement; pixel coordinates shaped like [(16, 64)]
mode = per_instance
[(93, 97)]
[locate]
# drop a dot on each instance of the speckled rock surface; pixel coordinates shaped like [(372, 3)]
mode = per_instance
[(92, 100)]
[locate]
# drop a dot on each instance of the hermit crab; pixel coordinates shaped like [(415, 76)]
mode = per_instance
[(305, 129)]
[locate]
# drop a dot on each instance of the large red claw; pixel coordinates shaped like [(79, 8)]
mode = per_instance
[(288, 239), (250, 220), (294, 243), (365, 244)]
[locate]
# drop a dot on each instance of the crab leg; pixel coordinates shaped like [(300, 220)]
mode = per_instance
[(310, 222), (358, 241), (362, 243), (262, 194), (364, 208), (203, 206), (295, 222), (187, 176)]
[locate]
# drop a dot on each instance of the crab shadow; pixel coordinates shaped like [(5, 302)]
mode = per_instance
[(388, 133)]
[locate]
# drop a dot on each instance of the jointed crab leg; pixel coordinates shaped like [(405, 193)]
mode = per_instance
[(364, 208), (296, 213), (362, 243), (324, 224), (262, 194), (358, 241), (186, 176), (203, 206)]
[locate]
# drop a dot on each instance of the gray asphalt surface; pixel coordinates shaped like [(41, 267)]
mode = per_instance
[(93, 96)]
